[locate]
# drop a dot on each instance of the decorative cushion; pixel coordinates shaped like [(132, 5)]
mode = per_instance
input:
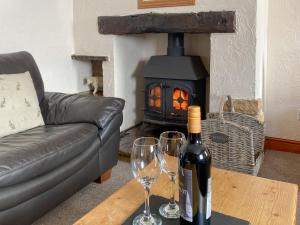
[(19, 105)]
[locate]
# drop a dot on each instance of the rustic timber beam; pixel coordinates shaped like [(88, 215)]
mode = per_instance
[(202, 22)]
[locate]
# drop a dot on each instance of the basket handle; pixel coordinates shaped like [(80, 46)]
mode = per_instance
[(223, 101)]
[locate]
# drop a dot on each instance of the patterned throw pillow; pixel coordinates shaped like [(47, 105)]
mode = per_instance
[(19, 105)]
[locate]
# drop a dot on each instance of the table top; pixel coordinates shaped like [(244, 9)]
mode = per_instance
[(258, 200)]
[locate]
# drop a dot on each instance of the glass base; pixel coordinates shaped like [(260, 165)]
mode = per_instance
[(141, 220), (169, 211)]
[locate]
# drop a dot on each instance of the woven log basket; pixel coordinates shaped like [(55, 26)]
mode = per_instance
[(235, 140)]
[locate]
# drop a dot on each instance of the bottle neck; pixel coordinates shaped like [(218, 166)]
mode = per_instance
[(194, 138)]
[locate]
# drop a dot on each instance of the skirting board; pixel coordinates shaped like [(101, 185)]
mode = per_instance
[(284, 145)]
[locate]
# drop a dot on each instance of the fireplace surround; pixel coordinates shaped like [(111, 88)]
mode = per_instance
[(172, 82), (233, 58)]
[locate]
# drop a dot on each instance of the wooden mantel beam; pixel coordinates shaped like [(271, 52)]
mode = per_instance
[(202, 22)]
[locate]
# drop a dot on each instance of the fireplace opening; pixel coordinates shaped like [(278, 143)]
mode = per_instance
[(172, 83)]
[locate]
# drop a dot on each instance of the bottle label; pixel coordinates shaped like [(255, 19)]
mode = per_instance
[(186, 194), (208, 208)]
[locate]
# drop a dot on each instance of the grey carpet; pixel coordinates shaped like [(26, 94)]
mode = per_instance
[(277, 165), (141, 130), (88, 198)]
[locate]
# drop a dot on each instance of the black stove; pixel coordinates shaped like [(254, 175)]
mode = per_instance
[(172, 83)]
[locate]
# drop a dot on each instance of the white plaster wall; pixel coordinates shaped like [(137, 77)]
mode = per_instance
[(45, 29), (233, 57), (127, 73), (283, 77), (261, 46), (198, 44)]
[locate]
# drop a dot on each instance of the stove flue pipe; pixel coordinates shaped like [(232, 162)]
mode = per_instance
[(175, 44)]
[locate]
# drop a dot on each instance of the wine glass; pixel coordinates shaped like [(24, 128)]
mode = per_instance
[(170, 144), (145, 166)]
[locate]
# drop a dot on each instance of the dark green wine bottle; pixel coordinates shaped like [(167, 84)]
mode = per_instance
[(195, 175)]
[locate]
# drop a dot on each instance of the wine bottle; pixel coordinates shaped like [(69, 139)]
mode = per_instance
[(195, 175)]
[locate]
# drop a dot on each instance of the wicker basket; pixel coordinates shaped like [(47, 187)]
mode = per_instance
[(235, 140)]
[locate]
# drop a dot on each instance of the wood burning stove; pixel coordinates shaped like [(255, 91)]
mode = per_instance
[(172, 83)]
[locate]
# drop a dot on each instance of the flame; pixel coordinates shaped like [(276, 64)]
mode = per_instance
[(176, 105), (180, 98), (184, 105), (151, 92), (157, 103), (157, 91), (151, 102), (177, 94), (184, 95)]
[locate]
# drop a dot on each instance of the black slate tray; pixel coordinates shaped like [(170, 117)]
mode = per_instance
[(156, 202)]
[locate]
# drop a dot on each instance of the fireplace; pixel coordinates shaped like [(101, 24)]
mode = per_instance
[(172, 83)]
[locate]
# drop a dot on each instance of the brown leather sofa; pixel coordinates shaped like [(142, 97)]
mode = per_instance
[(43, 166)]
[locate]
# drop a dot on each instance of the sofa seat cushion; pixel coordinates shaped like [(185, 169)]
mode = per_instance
[(34, 152)]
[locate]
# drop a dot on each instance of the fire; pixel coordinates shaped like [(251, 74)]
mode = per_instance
[(176, 93), (155, 95), (184, 105), (180, 99), (157, 103), (151, 102), (176, 105), (157, 91), (184, 95)]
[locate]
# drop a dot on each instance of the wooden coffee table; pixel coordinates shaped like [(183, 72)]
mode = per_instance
[(258, 200)]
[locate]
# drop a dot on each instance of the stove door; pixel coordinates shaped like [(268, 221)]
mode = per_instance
[(178, 99), (154, 95)]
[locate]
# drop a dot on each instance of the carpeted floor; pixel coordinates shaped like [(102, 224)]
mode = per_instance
[(88, 198), (277, 165), (141, 130)]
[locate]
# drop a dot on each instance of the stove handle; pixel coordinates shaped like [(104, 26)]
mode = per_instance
[(194, 95), (165, 86), (175, 114)]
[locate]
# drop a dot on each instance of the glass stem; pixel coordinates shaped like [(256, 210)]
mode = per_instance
[(172, 202), (147, 215)]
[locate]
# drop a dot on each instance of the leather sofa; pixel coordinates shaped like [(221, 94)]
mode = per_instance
[(43, 166)]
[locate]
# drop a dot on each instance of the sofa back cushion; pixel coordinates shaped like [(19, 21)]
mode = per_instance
[(19, 105), (20, 62)]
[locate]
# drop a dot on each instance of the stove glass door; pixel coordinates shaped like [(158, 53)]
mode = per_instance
[(178, 100), (154, 98)]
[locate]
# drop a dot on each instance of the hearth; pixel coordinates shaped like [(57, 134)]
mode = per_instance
[(172, 83)]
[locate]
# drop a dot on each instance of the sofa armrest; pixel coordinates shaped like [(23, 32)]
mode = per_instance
[(62, 108), (111, 128)]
